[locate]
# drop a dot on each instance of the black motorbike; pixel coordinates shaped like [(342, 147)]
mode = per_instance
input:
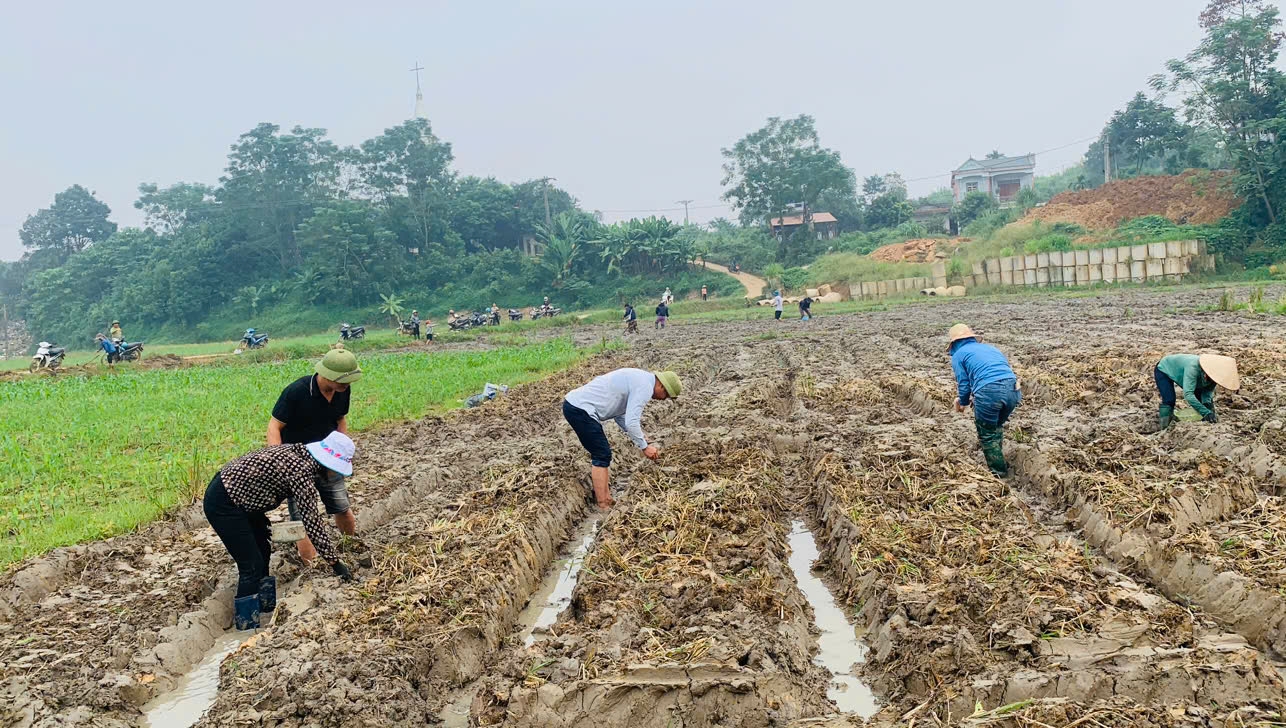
[(494, 318), (515, 314), (472, 321), (406, 328), (128, 350), (546, 312), (349, 333), (254, 340)]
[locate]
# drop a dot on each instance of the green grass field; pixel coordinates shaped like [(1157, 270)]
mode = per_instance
[(89, 457)]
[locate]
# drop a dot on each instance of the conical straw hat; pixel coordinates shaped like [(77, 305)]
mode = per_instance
[(1222, 369), (958, 332)]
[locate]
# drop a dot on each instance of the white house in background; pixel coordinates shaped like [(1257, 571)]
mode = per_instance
[(1002, 178)]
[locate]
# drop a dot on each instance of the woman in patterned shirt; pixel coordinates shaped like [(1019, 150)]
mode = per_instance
[(241, 494)]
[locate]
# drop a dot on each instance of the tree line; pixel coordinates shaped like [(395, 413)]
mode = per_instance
[(299, 224)]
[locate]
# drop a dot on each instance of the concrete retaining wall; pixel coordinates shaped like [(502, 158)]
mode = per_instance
[(1123, 264)]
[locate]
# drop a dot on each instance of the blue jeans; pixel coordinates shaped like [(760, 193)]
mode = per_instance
[(995, 402)]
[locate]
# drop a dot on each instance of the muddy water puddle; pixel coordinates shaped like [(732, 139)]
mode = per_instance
[(195, 693), (840, 648), (542, 610), (555, 591)]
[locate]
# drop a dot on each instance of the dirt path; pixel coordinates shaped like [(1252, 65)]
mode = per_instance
[(754, 284), (1118, 578)]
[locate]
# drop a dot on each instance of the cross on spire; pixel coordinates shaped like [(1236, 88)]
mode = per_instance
[(416, 71)]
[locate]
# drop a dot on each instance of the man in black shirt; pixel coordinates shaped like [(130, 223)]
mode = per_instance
[(308, 410), (805, 308)]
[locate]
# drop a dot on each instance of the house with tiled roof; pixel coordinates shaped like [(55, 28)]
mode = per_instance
[(1002, 178), (824, 225)]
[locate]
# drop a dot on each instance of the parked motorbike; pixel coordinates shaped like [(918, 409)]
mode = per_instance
[(48, 356), (463, 323), (348, 333), (254, 340), (131, 351), (406, 328), (545, 312), (515, 314)]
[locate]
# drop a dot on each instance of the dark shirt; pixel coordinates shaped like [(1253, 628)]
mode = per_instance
[(662, 310), (307, 416), (805, 303), (261, 480), (629, 313)]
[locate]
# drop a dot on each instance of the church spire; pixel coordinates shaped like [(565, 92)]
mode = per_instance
[(419, 94)]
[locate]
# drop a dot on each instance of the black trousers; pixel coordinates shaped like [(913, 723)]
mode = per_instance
[(777, 315), (244, 533)]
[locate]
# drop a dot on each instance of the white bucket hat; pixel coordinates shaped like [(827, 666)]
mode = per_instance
[(335, 451)]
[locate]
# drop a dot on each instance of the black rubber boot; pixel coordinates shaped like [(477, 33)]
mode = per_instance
[(268, 594), (246, 612)]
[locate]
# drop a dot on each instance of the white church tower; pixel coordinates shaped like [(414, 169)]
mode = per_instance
[(419, 94)]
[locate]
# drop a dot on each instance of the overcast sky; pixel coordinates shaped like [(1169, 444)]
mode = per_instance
[(626, 104)]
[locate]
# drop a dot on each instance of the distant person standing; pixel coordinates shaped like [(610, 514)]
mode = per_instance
[(415, 324), (115, 332), (631, 320), (805, 308), (308, 410), (704, 294), (776, 305), (667, 298), (662, 314)]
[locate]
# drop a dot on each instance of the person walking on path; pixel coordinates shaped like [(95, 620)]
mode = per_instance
[(1197, 376), (662, 314), (415, 325), (620, 396), (308, 409), (237, 502), (631, 320), (776, 305), (705, 296), (805, 308), (985, 380)]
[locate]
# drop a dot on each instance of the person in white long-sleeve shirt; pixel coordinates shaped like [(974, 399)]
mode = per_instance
[(619, 396)]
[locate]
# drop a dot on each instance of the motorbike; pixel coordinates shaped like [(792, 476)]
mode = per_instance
[(515, 314), (348, 333), (464, 323), (254, 340), (48, 356), (546, 312), (494, 318), (406, 328), (128, 351)]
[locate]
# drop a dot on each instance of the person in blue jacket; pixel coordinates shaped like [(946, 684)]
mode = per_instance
[(985, 380)]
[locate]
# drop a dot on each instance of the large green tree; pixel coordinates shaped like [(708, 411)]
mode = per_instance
[(74, 222), (272, 183), (782, 165), (1232, 83)]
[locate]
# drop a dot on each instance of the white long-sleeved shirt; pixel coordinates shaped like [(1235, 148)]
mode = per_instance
[(776, 303), (619, 396)]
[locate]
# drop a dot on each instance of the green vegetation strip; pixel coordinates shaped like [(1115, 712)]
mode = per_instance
[(90, 457)]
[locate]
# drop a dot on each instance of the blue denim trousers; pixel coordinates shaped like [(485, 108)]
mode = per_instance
[(995, 402)]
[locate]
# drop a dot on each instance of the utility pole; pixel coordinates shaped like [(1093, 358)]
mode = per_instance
[(685, 204), (1107, 160), (544, 185)]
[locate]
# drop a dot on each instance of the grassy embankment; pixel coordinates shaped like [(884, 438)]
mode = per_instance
[(89, 457)]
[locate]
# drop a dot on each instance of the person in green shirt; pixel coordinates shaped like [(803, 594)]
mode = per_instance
[(1197, 376)]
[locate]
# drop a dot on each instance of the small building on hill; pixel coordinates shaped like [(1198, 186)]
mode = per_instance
[(824, 224), (934, 218), (1002, 177)]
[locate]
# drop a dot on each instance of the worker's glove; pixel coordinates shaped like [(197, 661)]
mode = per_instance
[(1212, 418), (342, 571)]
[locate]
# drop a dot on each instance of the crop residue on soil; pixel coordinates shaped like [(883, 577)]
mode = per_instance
[(1118, 578)]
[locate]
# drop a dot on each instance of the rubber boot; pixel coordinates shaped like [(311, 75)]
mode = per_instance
[(992, 440), (246, 612), (267, 595), (1165, 417)]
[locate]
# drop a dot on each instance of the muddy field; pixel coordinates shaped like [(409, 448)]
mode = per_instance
[(1118, 577)]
